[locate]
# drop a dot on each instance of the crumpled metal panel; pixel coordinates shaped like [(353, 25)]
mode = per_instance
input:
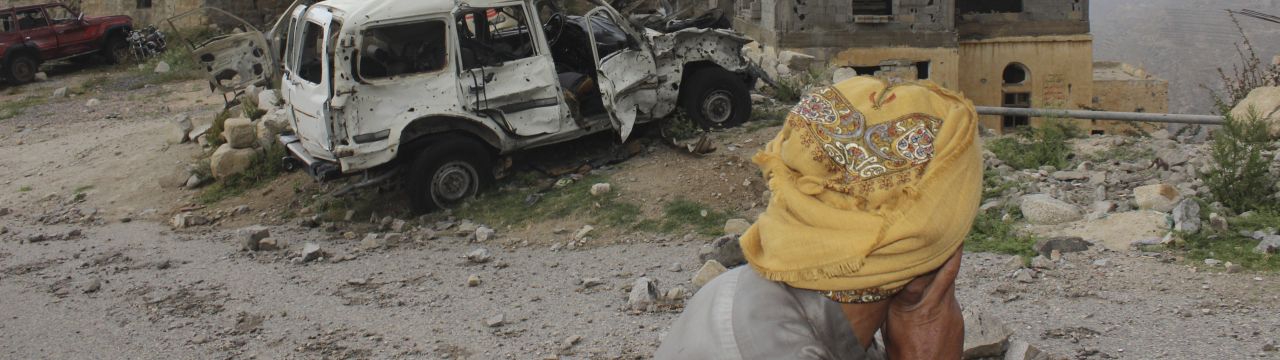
[(673, 50), (236, 61)]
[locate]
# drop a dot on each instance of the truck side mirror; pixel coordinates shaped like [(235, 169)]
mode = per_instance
[(80, 17)]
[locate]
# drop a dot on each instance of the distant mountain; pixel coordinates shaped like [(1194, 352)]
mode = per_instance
[(1183, 41)]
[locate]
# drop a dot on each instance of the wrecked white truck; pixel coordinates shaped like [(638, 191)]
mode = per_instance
[(439, 89)]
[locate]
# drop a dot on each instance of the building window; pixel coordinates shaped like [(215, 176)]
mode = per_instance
[(922, 70), (144, 4), (1015, 74), (988, 6), (872, 7), (1016, 100)]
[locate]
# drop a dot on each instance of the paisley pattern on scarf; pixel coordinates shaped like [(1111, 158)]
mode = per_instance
[(876, 157)]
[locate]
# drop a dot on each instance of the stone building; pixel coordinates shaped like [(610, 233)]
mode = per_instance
[(257, 12), (1014, 53), (1122, 87)]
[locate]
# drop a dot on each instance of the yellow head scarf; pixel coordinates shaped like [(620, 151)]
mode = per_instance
[(873, 185)]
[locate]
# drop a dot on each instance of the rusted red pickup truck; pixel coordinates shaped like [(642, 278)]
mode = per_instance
[(30, 35)]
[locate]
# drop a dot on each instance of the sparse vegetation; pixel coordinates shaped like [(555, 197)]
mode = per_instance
[(1230, 245), (182, 67), (24, 188), (680, 127), (11, 109), (991, 234), (250, 108), (1240, 177), (521, 202), (684, 215), (790, 88), (1123, 153), (263, 169), (1038, 146), (82, 189), (768, 116), (1249, 74), (214, 134)]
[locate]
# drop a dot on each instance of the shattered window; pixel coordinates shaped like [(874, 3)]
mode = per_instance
[(989, 6), (60, 14), (31, 19), (489, 37), (311, 65), (403, 49)]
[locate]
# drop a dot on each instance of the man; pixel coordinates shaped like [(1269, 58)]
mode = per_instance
[(875, 186)]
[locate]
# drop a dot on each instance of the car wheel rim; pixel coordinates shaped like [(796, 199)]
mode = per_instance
[(453, 182), (120, 52), (22, 70), (717, 107)]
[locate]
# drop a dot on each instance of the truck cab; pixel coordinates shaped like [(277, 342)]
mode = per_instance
[(440, 89)]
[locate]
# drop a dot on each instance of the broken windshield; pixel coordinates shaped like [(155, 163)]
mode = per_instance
[(403, 49)]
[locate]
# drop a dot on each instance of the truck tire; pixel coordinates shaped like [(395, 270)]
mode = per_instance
[(447, 172), (116, 50), (22, 69), (715, 98)]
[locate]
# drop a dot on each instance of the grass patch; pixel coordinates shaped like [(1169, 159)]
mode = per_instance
[(767, 116), (991, 234), (789, 89), (13, 109), (92, 84), (82, 189), (683, 215), (1038, 146), (511, 206), (1228, 246), (263, 169), (214, 135), (24, 188), (994, 186), (182, 67)]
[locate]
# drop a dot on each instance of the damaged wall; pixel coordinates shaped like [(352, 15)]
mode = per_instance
[(1122, 87), (847, 23), (979, 19), (1058, 69)]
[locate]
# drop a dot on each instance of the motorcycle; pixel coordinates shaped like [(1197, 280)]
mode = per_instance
[(147, 42)]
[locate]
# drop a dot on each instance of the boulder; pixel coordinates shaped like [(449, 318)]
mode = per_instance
[(709, 271), (92, 103), (794, 61), (267, 100), (227, 161), (479, 256), (1070, 175), (984, 335), (240, 133), (267, 128), (1041, 209), (1265, 103), (311, 252), (736, 226), (1173, 156), (1158, 197), (1186, 216), (725, 250), (198, 131), (484, 233), (1022, 350), (250, 236), (42, 76), (842, 74), (1062, 244), (1270, 244), (60, 92), (162, 67), (601, 189), (186, 220), (180, 132), (643, 293)]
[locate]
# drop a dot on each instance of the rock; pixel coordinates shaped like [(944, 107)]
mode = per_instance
[(1042, 262), (1021, 350), (311, 252), (162, 67), (725, 250), (1041, 209), (495, 321), (591, 282), (91, 286), (1025, 276), (601, 189), (1158, 197), (479, 256), (4, 230), (674, 294), (193, 182), (484, 233), (1015, 262), (1269, 244), (709, 271), (240, 133), (842, 74), (372, 241), (227, 160), (984, 335), (1212, 262), (1264, 102), (197, 131), (1063, 244), (1234, 268), (1186, 216), (267, 100), (1100, 209), (1163, 134), (473, 280), (92, 103), (736, 226), (60, 92), (675, 267), (569, 342), (583, 232), (400, 226), (42, 76), (175, 180), (794, 61), (268, 244), (5, 211), (250, 236), (1070, 175), (1102, 262), (1217, 222), (1173, 156), (186, 220), (179, 130), (266, 130), (643, 293)]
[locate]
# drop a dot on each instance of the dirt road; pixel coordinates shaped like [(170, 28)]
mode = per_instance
[(77, 281)]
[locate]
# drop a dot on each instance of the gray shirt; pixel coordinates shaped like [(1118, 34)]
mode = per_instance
[(740, 315)]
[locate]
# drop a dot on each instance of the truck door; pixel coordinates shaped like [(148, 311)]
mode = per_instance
[(506, 70), (308, 80), (626, 77), (35, 29), (73, 35)]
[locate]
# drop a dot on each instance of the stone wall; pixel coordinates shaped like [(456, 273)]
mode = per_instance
[(832, 23), (1059, 68), (1038, 17), (1122, 87)]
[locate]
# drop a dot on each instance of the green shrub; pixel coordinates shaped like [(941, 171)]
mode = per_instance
[(214, 135), (991, 234), (1240, 177), (265, 167), (1039, 146)]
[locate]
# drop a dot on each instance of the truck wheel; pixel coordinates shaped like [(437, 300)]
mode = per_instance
[(116, 50), (22, 69), (448, 172), (715, 98)]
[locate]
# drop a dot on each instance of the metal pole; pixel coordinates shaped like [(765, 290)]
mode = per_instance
[(1104, 115)]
